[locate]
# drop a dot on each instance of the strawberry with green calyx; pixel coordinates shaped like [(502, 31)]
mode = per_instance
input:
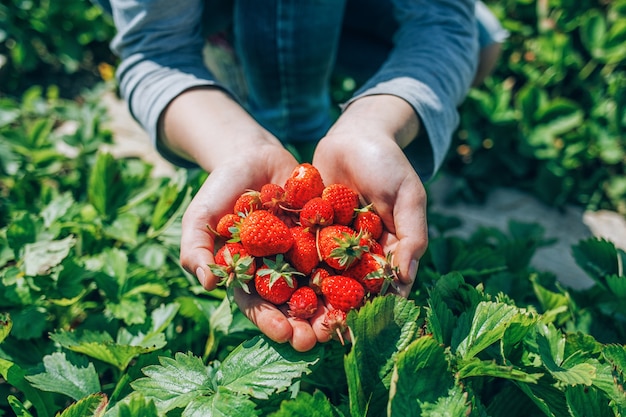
[(317, 276), (303, 253), (368, 222), (340, 246), (264, 234), (342, 292), (374, 272), (228, 226), (303, 303), (304, 183), (335, 324), (234, 266), (247, 202), (272, 197), (275, 280), (344, 201)]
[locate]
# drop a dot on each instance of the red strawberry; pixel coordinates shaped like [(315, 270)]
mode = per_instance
[(234, 266), (317, 276), (303, 303), (342, 292), (303, 253), (335, 324), (316, 213), (264, 234), (374, 272), (339, 246), (272, 196), (344, 201), (368, 222), (304, 184), (274, 281), (228, 225), (247, 202)]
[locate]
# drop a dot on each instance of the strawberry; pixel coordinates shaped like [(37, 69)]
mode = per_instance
[(316, 213), (247, 203), (335, 323), (342, 292), (303, 253), (304, 183), (317, 276), (272, 196), (228, 225), (264, 234), (274, 280), (368, 222), (234, 266), (344, 201), (303, 303), (374, 272), (339, 246)]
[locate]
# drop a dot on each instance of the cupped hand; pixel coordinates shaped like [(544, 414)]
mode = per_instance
[(247, 169), (375, 167)]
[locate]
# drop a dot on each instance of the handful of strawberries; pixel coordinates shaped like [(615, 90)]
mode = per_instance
[(301, 241)]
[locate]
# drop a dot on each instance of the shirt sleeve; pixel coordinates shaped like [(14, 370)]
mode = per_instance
[(160, 45), (431, 66)]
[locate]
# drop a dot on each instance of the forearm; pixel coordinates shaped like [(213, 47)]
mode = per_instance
[(208, 127)]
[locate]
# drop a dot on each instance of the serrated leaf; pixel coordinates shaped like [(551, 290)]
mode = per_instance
[(223, 403), (173, 197), (134, 405), (259, 367), (440, 321), (124, 228), (549, 399), (93, 405), (100, 345), (76, 378), (488, 326), (160, 318), (106, 190), (598, 257), (40, 256), (617, 285), (454, 404), (420, 375), (476, 367), (380, 329), (176, 381), (307, 405), (587, 401)]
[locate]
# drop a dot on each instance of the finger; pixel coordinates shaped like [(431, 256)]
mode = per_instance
[(303, 337), (269, 319), (322, 333)]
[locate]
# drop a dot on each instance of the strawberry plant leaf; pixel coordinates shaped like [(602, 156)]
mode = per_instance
[(41, 256), (5, 326), (420, 375), (598, 257), (587, 401), (57, 207), (124, 228), (440, 320), (488, 325), (29, 322), (176, 381), (381, 328), (23, 230), (223, 403), (259, 367), (617, 285), (173, 198), (106, 190), (74, 377), (16, 376), (475, 367), (18, 407), (100, 345), (308, 405), (93, 405), (134, 405), (454, 403)]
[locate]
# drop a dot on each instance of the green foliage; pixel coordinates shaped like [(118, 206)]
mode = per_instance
[(551, 118)]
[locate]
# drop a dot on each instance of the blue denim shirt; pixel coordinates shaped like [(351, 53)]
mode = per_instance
[(423, 51)]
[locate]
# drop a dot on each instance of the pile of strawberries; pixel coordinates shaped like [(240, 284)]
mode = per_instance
[(302, 241)]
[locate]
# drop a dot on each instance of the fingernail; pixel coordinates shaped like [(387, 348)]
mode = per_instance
[(413, 269), (200, 275)]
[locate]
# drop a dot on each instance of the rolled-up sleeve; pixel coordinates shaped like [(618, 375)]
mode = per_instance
[(431, 66), (160, 45)]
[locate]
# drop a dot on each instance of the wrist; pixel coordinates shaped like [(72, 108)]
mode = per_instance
[(383, 115)]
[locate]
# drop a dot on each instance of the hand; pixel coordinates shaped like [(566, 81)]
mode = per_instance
[(362, 152)]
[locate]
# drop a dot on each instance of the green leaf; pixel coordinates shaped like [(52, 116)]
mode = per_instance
[(176, 381), (106, 189), (587, 401), (76, 378), (223, 403), (420, 375), (100, 345), (57, 208), (16, 377), (380, 329), (617, 285), (307, 405), (40, 257), (488, 326), (173, 198), (440, 320), (29, 322), (259, 367), (593, 32), (18, 407), (22, 230), (124, 228), (598, 257), (454, 404), (93, 405), (134, 405), (475, 367), (5, 326)]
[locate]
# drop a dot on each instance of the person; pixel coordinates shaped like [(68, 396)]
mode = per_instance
[(414, 62)]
